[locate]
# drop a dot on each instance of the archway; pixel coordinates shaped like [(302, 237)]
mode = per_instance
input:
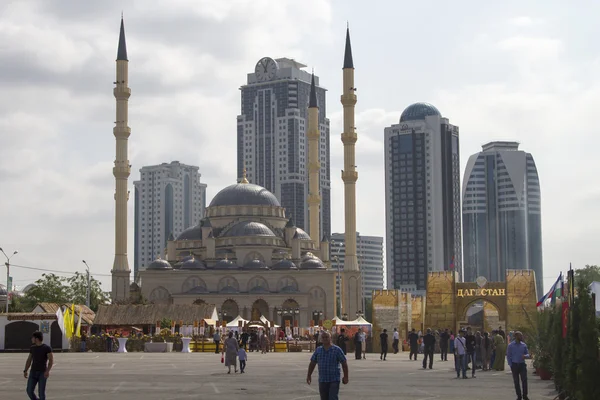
[(481, 315), (18, 335), (259, 308), (289, 312), (160, 295), (229, 310), (55, 336)]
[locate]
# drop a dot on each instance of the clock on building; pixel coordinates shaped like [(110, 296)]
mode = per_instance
[(266, 69)]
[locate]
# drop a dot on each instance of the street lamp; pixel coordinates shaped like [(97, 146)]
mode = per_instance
[(7, 263), (87, 290), (317, 315)]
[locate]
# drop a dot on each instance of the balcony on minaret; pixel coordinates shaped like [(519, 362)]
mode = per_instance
[(348, 99), (121, 131), (349, 137), (121, 91), (349, 176)]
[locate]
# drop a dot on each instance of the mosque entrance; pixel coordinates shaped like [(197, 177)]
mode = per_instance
[(289, 311), (229, 310), (260, 308)]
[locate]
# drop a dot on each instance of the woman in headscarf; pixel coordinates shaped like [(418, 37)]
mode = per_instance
[(230, 348), (500, 347), (486, 350)]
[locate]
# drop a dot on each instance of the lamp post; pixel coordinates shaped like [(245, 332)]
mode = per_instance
[(7, 263), (317, 316), (87, 289)]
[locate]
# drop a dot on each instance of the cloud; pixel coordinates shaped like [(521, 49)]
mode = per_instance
[(522, 21)]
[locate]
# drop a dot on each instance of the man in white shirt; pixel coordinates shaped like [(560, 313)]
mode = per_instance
[(396, 341), (460, 354)]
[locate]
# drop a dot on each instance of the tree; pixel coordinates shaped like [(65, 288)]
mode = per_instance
[(588, 274), (78, 291), (588, 385)]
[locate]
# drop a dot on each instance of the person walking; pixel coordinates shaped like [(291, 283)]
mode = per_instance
[(83, 342), (217, 340), (363, 344), (383, 337), (396, 341), (478, 358), (230, 349), (341, 340), (40, 360), (413, 339), (460, 352), (244, 339), (444, 339), (500, 352), (357, 345), (516, 354), (429, 347), (243, 357), (486, 349), (470, 358), (328, 357)]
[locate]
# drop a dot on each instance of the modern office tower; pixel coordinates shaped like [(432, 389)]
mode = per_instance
[(369, 251), (169, 198), (422, 197), (272, 137), (501, 213)]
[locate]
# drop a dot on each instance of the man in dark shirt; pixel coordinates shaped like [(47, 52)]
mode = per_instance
[(383, 337), (444, 338), (428, 348), (470, 339), (244, 339), (341, 340), (501, 333), (40, 360), (413, 339)]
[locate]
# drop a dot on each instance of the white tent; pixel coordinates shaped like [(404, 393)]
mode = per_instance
[(265, 321), (235, 322), (357, 321)]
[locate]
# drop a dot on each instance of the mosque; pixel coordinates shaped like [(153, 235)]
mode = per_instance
[(245, 256)]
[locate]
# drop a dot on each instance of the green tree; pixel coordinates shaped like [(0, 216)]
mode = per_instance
[(573, 349), (78, 291), (588, 384), (49, 288), (588, 274)]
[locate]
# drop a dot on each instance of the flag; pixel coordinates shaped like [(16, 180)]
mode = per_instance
[(72, 318), (558, 285), (60, 318), (67, 323), (78, 330)]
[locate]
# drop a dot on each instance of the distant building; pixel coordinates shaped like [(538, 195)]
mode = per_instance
[(422, 197), (169, 198), (272, 137), (502, 224), (370, 259)]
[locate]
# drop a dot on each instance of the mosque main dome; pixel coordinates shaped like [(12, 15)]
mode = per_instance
[(418, 111), (244, 194)]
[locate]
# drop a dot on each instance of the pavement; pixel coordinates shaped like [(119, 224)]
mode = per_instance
[(268, 376)]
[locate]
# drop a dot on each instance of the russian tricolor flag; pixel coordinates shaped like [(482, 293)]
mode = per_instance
[(555, 290)]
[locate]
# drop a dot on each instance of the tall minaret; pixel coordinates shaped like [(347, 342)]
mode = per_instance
[(351, 291), (314, 166), (121, 171)]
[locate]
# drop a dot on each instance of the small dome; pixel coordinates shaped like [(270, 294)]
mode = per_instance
[(418, 111), (193, 263), (225, 264), (2, 290), (310, 261), (197, 290), (300, 234), (191, 233), (159, 264), (255, 264), (244, 194), (284, 264), (134, 286), (248, 228)]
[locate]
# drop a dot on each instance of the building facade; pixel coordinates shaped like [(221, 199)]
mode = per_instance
[(370, 260), (272, 137), (501, 213), (169, 198), (422, 187)]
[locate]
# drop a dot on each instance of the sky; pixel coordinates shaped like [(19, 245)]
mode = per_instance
[(524, 71)]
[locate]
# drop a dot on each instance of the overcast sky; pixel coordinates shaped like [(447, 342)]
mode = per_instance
[(512, 70)]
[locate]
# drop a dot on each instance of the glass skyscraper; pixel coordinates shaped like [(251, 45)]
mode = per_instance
[(502, 224), (422, 197), (272, 143)]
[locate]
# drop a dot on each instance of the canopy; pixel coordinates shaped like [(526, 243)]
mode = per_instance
[(266, 321), (358, 321), (235, 322)]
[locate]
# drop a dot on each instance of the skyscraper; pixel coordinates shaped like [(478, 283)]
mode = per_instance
[(502, 224), (370, 259), (422, 197), (272, 137), (169, 198)]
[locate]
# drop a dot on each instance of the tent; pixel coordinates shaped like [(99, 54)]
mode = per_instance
[(265, 321), (235, 322), (360, 321)]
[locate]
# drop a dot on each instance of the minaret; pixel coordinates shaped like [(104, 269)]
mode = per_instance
[(351, 291), (121, 171), (314, 166)]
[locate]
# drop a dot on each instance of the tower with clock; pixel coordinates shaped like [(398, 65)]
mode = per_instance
[(273, 142)]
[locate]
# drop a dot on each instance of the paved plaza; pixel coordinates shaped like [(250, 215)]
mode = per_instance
[(269, 376)]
